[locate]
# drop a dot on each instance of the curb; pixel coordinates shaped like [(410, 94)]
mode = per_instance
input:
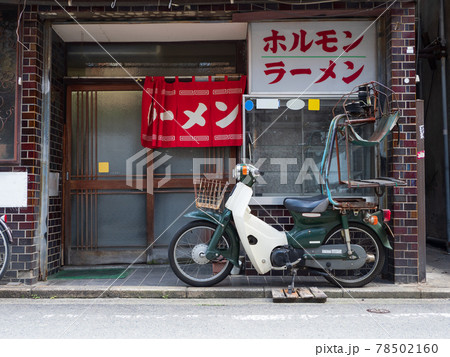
[(170, 292), (15, 292)]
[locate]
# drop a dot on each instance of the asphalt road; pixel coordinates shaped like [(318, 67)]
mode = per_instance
[(225, 318)]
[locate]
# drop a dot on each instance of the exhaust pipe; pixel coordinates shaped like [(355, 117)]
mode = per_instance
[(370, 258)]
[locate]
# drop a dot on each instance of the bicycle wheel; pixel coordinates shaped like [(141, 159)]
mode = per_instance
[(187, 255), (5, 252), (368, 240)]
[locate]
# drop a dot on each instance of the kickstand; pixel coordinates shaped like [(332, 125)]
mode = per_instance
[(291, 287)]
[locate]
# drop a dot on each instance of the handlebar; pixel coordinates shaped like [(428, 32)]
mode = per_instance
[(255, 171), (245, 169)]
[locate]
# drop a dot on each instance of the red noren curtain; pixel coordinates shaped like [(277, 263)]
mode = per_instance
[(191, 114)]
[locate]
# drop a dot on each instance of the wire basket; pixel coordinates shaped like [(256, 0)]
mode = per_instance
[(209, 193)]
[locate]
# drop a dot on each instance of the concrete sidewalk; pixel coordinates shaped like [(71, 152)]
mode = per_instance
[(158, 281)]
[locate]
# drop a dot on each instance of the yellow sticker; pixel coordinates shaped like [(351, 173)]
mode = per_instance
[(103, 167), (313, 104)]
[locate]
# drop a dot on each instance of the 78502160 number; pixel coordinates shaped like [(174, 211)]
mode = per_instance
[(415, 348)]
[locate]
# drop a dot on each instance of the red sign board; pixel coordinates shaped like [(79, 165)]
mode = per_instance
[(191, 114)]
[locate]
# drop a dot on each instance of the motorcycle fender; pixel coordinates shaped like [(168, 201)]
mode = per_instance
[(230, 230), (382, 234), (383, 230)]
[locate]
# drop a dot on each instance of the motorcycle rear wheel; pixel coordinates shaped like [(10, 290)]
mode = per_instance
[(187, 255), (366, 238)]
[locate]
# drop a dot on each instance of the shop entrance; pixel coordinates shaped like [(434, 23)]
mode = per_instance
[(106, 218), (109, 215), (123, 203)]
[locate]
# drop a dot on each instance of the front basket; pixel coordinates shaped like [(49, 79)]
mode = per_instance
[(209, 193)]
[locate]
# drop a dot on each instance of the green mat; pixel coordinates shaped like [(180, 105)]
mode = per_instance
[(110, 273)]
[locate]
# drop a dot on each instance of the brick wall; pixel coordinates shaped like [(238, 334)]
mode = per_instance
[(121, 9), (161, 10), (24, 221), (58, 98), (277, 216), (403, 261)]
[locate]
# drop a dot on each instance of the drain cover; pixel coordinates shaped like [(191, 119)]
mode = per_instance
[(378, 311)]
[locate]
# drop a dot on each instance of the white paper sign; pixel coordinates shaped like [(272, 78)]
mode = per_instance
[(311, 57), (13, 189)]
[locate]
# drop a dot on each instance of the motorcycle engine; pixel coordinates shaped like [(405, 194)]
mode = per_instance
[(286, 256)]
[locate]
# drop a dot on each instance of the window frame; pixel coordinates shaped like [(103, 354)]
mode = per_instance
[(277, 198), (15, 159)]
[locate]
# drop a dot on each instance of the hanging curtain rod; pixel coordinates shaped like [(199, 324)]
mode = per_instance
[(166, 77)]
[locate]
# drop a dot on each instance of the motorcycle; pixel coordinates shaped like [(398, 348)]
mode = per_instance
[(343, 240)]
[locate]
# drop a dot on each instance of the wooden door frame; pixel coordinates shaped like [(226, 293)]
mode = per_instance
[(154, 180), (69, 184)]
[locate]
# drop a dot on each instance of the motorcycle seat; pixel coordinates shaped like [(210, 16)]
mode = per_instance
[(314, 204)]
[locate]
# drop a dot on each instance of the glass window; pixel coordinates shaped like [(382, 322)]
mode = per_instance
[(152, 59), (286, 136), (8, 104)]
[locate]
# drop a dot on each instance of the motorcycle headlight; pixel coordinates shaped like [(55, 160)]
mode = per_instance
[(240, 171)]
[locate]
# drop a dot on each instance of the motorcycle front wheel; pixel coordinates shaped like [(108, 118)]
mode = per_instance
[(366, 238), (187, 255)]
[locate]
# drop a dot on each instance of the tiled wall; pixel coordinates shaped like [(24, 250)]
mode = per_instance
[(399, 22), (157, 6), (58, 99), (24, 221), (403, 262)]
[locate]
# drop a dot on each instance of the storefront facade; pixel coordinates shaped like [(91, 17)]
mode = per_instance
[(96, 196)]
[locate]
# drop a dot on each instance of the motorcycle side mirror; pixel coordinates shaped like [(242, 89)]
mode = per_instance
[(257, 172)]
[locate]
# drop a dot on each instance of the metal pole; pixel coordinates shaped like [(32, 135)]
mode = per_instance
[(421, 207), (444, 122)]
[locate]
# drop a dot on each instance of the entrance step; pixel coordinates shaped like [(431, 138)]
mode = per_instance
[(312, 294)]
